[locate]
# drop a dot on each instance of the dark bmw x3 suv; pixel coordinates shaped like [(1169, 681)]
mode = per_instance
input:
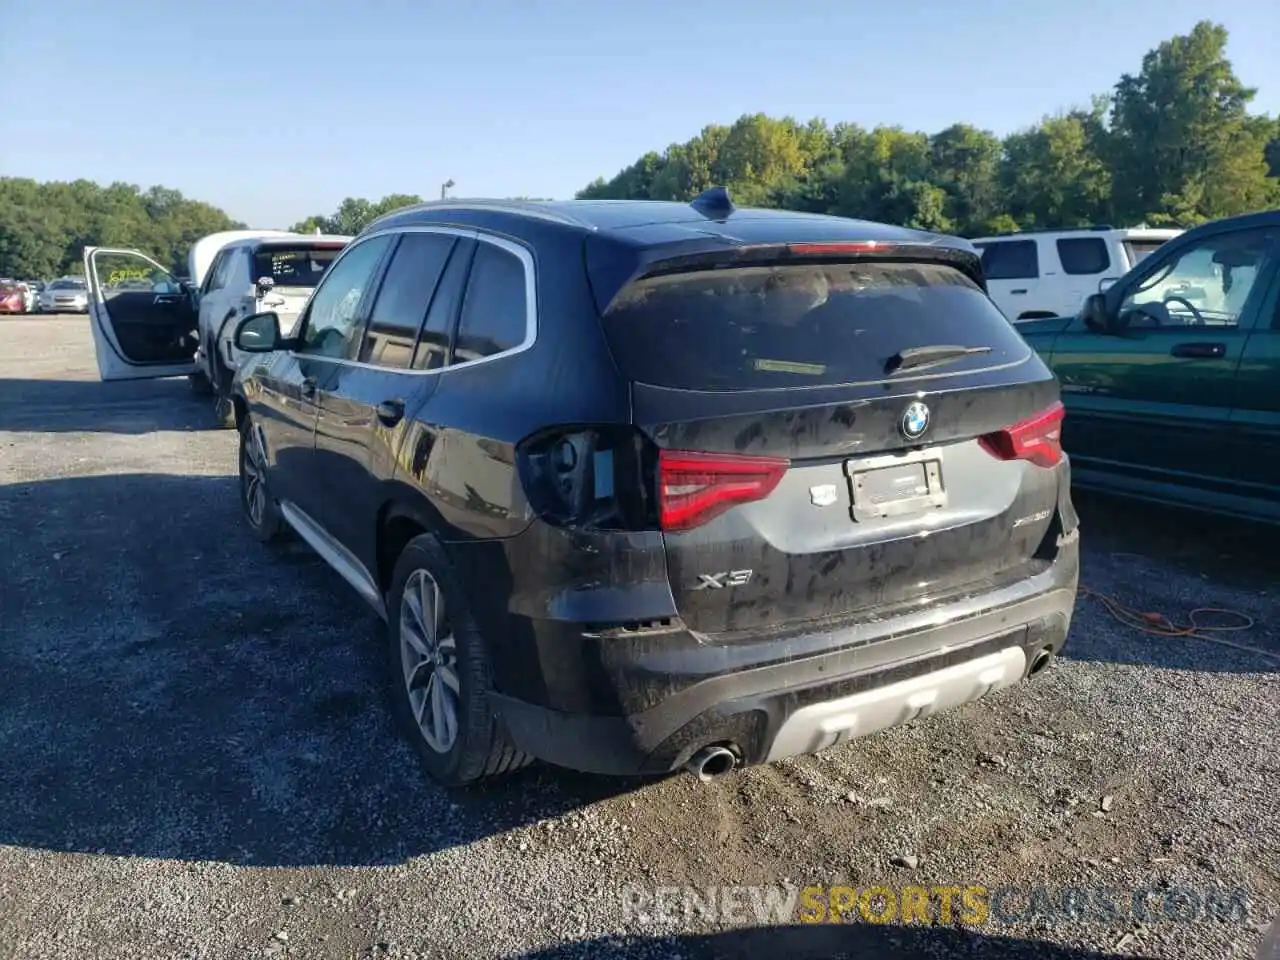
[(644, 485)]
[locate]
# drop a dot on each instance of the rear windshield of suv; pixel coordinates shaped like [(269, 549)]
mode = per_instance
[(293, 266), (770, 327)]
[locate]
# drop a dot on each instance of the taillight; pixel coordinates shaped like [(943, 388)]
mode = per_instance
[(593, 477), (695, 487), (838, 248), (1037, 439)]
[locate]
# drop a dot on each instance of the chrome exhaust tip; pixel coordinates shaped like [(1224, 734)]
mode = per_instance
[(1042, 660), (711, 762)]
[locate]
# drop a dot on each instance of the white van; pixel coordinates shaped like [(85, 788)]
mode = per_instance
[(1048, 273)]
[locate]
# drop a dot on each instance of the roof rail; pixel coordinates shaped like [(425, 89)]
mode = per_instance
[(528, 208)]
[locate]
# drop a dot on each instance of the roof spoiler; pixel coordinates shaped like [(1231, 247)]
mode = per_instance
[(610, 275)]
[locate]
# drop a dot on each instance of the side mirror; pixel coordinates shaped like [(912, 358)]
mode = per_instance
[(258, 333), (1095, 314), (1106, 283), (264, 285)]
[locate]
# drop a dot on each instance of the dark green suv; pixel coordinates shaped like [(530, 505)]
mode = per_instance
[(1171, 376)]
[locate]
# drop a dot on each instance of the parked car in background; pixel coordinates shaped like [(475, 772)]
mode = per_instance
[(151, 324), (33, 294), (13, 297), (1171, 377), (64, 295), (625, 542), (1048, 273)]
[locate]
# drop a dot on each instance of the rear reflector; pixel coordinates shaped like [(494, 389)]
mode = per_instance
[(1037, 439), (837, 249), (695, 487)]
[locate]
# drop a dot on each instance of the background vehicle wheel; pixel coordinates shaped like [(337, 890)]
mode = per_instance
[(225, 412), (199, 383), (261, 512), (221, 378), (439, 670)]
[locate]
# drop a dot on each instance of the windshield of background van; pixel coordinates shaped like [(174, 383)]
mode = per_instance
[(788, 326), (293, 266)]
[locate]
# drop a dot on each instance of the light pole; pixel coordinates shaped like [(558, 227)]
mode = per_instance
[(444, 188)]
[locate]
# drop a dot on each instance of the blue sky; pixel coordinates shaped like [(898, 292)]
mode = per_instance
[(276, 110)]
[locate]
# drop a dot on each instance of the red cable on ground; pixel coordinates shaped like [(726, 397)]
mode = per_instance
[(1159, 625)]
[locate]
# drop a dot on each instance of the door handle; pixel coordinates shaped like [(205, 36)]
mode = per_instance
[(1014, 292), (1202, 351), (307, 387), (390, 412)]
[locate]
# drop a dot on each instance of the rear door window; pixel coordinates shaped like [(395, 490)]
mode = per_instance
[(215, 279), (786, 326), (403, 299), (1083, 255), (1011, 260)]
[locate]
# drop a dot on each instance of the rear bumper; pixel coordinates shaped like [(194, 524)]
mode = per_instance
[(803, 693)]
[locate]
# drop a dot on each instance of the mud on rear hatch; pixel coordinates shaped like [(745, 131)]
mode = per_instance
[(840, 429)]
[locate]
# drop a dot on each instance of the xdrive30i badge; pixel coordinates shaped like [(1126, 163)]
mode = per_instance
[(915, 421)]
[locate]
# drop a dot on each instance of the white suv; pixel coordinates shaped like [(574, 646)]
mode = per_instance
[(146, 323), (253, 274), (1048, 273)]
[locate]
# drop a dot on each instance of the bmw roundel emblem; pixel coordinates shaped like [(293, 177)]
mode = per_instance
[(915, 421)]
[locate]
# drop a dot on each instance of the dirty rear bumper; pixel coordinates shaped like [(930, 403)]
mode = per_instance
[(828, 687)]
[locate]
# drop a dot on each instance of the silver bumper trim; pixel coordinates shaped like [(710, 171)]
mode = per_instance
[(822, 725)]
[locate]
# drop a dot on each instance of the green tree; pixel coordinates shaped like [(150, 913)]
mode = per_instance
[(44, 227), (354, 214), (1055, 174), (965, 163), (1184, 146), (1174, 144)]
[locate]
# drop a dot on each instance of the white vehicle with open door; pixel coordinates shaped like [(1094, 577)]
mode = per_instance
[(143, 320), (146, 324), (247, 275)]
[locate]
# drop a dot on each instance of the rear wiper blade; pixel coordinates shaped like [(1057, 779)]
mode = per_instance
[(913, 358)]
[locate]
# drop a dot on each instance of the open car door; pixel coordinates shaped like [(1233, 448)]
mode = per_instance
[(143, 320)]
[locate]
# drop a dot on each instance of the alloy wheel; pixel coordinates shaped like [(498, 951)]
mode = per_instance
[(429, 658), (255, 490)]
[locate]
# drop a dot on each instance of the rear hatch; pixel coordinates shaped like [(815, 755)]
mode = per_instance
[(295, 267), (842, 431)]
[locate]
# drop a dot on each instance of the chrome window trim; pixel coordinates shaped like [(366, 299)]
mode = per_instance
[(521, 252)]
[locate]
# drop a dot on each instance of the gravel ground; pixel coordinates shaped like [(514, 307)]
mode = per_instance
[(197, 761)]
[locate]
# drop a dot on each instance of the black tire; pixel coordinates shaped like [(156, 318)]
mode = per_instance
[(265, 527), (199, 383), (224, 410), (222, 379), (481, 748)]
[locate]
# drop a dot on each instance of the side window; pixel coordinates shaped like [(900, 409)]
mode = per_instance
[(433, 344), (495, 312), (1084, 255), (1207, 284), (404, 297), (214, 280), (1011, 260), (332, 327)]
